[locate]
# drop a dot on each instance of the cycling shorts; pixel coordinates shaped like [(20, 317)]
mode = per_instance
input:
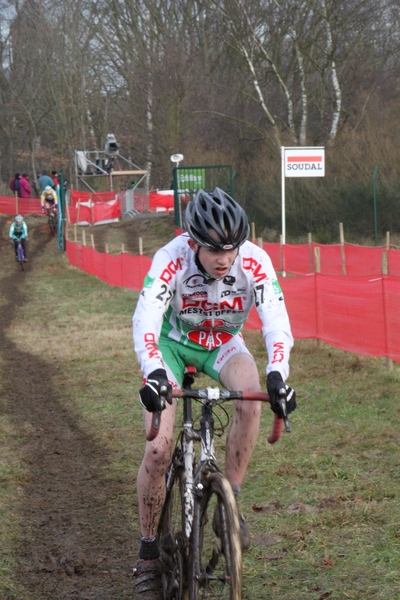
[(177, 356)]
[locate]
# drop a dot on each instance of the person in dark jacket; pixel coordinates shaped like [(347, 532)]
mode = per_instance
[(15, 183)]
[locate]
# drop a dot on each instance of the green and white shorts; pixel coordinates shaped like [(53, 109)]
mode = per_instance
[(177, 356)]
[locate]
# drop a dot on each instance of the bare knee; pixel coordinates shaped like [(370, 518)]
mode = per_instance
[(157, 457), (247, 411)]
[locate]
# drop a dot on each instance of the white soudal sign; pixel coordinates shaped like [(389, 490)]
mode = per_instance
[(304, 162)]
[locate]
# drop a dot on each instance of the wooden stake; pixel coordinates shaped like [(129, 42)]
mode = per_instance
[(317, 259), (92, 240), (260, 242), (84, 237), (122, 248), (140, 246), (75, 233), (317, 262), (385, 271), (342, 249), (310, 255), (107, 252), (384, 264), (253, 231)]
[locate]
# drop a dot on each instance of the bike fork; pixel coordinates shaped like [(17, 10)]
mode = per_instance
[(188, 454)]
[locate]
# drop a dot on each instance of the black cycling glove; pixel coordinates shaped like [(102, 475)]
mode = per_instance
[(275, 384), (156, 388)]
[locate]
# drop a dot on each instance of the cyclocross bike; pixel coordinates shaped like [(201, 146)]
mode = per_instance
[(52, 219), (20, 255), (199, 529)]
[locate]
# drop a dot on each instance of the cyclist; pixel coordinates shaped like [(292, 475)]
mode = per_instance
[(195, 300), (48, 198), (19, 231)]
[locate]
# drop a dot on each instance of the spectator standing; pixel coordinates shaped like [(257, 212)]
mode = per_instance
[(56, 181), (44, 180), (15, 183), (24, 186)]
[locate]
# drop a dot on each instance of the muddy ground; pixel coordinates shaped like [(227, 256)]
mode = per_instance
[(75, 541)]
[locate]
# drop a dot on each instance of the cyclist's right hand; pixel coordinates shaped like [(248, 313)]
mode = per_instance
[(156, 388)]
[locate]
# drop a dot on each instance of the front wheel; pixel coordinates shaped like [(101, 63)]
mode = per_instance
[(172, 538), (52, 221), (216, 553)]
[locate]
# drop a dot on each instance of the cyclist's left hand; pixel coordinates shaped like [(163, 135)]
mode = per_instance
[(275, 385)]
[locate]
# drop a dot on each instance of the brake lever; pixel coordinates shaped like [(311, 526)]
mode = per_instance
[(282, 404), (155, 421)]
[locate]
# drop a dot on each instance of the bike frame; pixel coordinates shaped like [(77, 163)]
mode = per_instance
[(207, 462), (20, 251)]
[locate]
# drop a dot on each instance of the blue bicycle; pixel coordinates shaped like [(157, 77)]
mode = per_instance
[(20, 255)]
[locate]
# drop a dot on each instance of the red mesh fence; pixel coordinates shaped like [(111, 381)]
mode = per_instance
[(363, 260), (357, 314), (394, 263), (21, 206), (274, 252), (299, 259)]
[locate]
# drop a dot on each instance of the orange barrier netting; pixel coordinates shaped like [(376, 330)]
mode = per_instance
[(21, 206), (357, 314), (299, 259)]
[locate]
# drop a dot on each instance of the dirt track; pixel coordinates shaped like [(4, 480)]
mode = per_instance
[(75, 541)]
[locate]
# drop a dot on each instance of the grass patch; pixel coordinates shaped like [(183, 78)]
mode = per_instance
[(322, 505)]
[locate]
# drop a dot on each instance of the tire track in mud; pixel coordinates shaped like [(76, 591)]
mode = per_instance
[(73, 540)]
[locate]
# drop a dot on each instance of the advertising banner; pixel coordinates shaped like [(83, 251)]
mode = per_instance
[(304, 162)]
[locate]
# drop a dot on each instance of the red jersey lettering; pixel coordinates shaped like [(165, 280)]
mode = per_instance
[(250, 264), (235, 304), (171, 270), (279, 352), (151, 345)]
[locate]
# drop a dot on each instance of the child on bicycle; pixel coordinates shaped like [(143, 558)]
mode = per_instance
[(195, 300), (48, 198), (19, 231)]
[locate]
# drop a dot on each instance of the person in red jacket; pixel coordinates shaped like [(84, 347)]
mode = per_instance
[(24, 186), (54, 176)]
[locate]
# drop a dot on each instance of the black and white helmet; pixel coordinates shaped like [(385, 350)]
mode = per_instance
[(218, 212)]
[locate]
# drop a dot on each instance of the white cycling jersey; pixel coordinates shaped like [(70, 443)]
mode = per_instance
[(179, 302)]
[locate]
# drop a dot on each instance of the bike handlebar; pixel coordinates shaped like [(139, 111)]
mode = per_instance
[(224, 395)]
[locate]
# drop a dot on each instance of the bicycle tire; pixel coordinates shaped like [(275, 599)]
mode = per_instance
[(171, 537), (52, 223), (215, 569), (21, 258)]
